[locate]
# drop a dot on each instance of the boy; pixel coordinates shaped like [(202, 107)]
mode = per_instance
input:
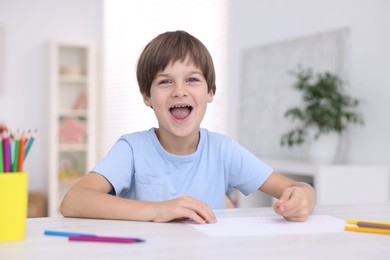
[(178, 170)]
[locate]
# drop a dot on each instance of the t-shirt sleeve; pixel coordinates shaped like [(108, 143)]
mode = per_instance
[(247, 172), (117, 166)]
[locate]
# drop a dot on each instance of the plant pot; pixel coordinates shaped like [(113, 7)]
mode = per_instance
[(324, 149)]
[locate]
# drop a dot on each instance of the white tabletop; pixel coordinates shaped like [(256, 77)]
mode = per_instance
[(180, 241)]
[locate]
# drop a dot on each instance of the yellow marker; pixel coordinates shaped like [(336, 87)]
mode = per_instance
[(355, 222), (368, 230)]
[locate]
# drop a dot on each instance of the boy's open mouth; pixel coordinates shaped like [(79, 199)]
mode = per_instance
[(181, 111)]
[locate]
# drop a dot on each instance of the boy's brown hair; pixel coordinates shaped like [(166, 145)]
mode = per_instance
[(171, 47)]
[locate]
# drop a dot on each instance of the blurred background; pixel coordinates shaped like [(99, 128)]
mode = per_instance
[(114, 32)]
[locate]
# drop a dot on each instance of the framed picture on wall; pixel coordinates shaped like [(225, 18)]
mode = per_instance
[(268, 93)]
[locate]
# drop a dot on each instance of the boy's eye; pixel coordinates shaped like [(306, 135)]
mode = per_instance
[(164, 82), (192, 80)]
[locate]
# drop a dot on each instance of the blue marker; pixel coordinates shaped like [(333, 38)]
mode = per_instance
[(66, 234)]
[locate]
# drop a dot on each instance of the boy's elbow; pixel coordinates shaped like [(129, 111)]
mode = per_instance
[(66, 206)]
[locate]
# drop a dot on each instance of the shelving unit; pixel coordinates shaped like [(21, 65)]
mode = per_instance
[(334, 183), (72, 115)]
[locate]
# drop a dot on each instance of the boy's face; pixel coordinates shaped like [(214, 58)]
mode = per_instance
[(179, 97)]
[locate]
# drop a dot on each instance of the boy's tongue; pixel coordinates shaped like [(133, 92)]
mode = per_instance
[(180, 112)]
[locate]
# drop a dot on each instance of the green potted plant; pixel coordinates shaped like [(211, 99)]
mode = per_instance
[(325, 107)]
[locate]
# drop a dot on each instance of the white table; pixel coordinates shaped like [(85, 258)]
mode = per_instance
[(180, 241)]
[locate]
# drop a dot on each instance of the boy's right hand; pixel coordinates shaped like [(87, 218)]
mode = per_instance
[(183, 208)]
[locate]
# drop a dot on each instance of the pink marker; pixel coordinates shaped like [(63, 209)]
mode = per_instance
[(105, 239), (6, 152)]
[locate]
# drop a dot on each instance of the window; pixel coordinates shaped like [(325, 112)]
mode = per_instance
[(128, 26)]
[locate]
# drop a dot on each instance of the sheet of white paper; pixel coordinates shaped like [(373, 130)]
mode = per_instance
[(265, 226)]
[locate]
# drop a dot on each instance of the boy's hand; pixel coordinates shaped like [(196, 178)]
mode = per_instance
[(294, 204), (182, 208)]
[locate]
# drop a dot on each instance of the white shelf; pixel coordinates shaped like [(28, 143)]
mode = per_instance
[(334, 183), (71, 112), (73, 79), (339, 183), (73, 148)]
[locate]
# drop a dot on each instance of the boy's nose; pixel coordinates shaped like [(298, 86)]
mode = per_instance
[(179, 90)]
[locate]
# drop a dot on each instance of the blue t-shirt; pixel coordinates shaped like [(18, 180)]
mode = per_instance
[(138, 167)]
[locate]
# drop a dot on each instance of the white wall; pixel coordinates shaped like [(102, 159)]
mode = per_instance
[(259, 22), (28, 26)]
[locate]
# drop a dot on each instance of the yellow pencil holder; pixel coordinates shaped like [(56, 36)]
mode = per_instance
[(13, 206)]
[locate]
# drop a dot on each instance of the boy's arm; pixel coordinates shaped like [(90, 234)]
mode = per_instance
[(296, 199), (89, 198)]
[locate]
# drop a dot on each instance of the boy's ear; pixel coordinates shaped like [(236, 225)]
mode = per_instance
[(210, 96), (147, 100)]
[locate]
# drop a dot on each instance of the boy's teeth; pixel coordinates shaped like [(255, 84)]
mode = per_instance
[(180, 112)]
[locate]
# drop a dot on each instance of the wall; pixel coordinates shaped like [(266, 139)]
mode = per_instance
[(260, 22), (28, 26)]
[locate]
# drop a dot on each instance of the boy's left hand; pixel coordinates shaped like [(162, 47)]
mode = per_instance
[(294, 204)]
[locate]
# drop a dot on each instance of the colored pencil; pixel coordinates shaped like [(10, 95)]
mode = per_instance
[(355, 222), (10, 140), (66, 234), (105, 239), (29, 144), (22, 146), (16, 154), (368, 230), (1, 155), (373, 225), (25, 138), (6, 152)]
